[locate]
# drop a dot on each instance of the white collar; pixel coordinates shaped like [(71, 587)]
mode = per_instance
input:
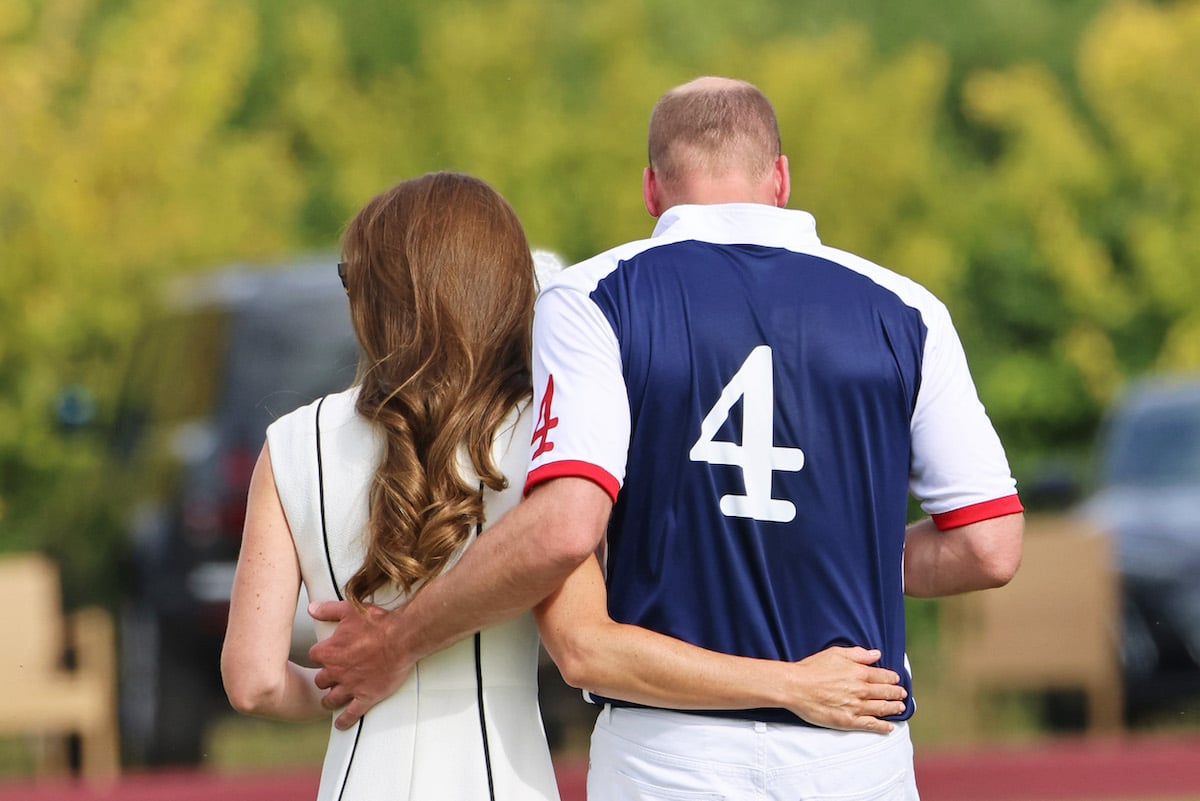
[(738, 223)]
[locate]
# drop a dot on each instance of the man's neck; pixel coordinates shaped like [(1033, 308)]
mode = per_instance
[(703, 192)]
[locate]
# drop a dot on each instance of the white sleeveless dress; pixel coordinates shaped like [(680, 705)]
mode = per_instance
[(466, 724)]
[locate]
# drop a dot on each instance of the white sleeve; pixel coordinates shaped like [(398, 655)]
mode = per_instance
[(959, 470), (582, 425)]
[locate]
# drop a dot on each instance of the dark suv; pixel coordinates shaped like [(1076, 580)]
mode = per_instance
[(230, 352), (1148, 500)]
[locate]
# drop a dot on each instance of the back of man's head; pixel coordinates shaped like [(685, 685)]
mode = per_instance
[(713, 128)]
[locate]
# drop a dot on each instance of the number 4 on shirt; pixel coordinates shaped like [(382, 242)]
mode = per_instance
[(757, 456), (541, 432)]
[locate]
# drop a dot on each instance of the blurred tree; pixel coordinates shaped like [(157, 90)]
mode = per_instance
[(513, 91), (1084, 252), (118, 166), (1139, 68)]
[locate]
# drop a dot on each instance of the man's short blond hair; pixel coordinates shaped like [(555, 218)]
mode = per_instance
[(713, 127)]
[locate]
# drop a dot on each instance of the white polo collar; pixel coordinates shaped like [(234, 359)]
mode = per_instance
[(738, 224)]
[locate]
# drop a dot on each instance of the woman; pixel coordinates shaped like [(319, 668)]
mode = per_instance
[(368, 493)]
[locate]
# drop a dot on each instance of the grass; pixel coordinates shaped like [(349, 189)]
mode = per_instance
[(17, 755), (237, 744), (234, 744)]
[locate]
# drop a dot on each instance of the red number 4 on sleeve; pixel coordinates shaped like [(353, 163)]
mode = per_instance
[(541, 433)]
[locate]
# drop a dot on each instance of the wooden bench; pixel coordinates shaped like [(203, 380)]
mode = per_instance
[(1055, 626), (43, 696)]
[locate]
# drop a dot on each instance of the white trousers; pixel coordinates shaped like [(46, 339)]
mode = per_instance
[(657, 754)]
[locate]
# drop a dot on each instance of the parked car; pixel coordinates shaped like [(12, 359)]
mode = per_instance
[(229, 353), (1147, 499)]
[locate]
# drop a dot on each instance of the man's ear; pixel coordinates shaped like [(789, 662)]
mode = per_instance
[(783, 181), (650, 192)]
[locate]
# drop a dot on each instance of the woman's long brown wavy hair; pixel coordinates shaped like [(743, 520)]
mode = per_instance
[(441, 286)]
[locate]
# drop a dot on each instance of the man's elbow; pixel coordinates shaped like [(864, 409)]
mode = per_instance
[(999, 570), (569, 547), (999, 562)]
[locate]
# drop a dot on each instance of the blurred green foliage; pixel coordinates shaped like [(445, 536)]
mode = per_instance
[(1035, 163)]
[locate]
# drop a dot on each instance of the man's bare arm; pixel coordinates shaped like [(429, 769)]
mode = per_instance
[(515, 563), (977, 556)]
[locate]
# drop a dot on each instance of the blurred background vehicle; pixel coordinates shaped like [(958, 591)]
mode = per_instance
[(229, 353), (1147, 499)]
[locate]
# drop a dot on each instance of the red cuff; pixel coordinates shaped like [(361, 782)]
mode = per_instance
[(574, 469), (978, 511)]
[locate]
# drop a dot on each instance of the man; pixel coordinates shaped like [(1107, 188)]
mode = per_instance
[(752, 409)]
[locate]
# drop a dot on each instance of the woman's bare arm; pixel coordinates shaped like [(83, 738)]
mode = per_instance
[(836, 688), (259, 679)]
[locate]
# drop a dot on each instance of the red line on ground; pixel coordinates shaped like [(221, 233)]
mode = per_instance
[(1062, 770), (172, 785), (1074, 770)]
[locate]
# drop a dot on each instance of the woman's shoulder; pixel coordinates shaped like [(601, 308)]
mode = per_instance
[(335, 407), (296, 430), (510, 446)]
